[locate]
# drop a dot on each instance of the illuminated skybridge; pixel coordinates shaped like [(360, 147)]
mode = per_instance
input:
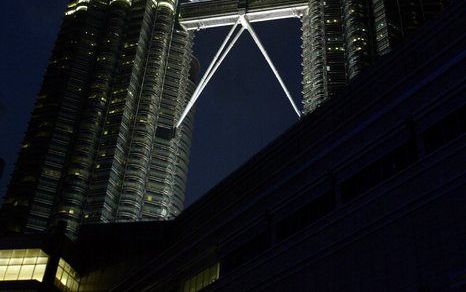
[(206, 14)]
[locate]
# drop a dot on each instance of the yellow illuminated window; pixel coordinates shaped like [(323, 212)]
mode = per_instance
[(26, 272), (22, 264), (66, 277), (202, 279)]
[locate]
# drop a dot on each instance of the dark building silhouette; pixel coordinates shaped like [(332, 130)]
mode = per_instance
[(2, 166), (2, 116), (366, 193), (100, 146)]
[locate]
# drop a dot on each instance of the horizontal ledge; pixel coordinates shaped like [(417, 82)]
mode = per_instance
[(253, 16)]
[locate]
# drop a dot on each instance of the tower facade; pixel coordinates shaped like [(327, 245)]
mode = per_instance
[(342, 37), (100, 146)]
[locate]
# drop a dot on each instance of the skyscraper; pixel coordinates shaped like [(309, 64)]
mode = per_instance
[(100, 146), (375, 205), (371, 180), (342, 37)]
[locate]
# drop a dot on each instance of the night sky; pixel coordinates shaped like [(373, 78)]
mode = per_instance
[(241, 110)]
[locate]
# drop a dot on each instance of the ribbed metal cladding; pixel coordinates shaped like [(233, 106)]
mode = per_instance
[(324, 71), (313, 54), (75, 183), (341, 38), (166, 181), (141, 158), (105, 185), (398, 20), (32, 193), (384, 37), (146, 116), (357, 28)]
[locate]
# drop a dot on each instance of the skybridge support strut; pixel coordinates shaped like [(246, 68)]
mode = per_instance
[(230, 46), (213, 66), (248, 26), (221, 55), (217, 55)]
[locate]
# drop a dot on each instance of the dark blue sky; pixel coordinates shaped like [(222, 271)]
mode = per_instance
[(241, 110)]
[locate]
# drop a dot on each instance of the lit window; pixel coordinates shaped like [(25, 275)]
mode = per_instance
[(66, 277), (22, 264), (202, 279)]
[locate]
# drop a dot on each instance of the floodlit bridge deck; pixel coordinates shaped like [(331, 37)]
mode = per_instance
[(200, 15)]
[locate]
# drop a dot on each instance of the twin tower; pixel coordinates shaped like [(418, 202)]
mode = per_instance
[(105, 142)]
